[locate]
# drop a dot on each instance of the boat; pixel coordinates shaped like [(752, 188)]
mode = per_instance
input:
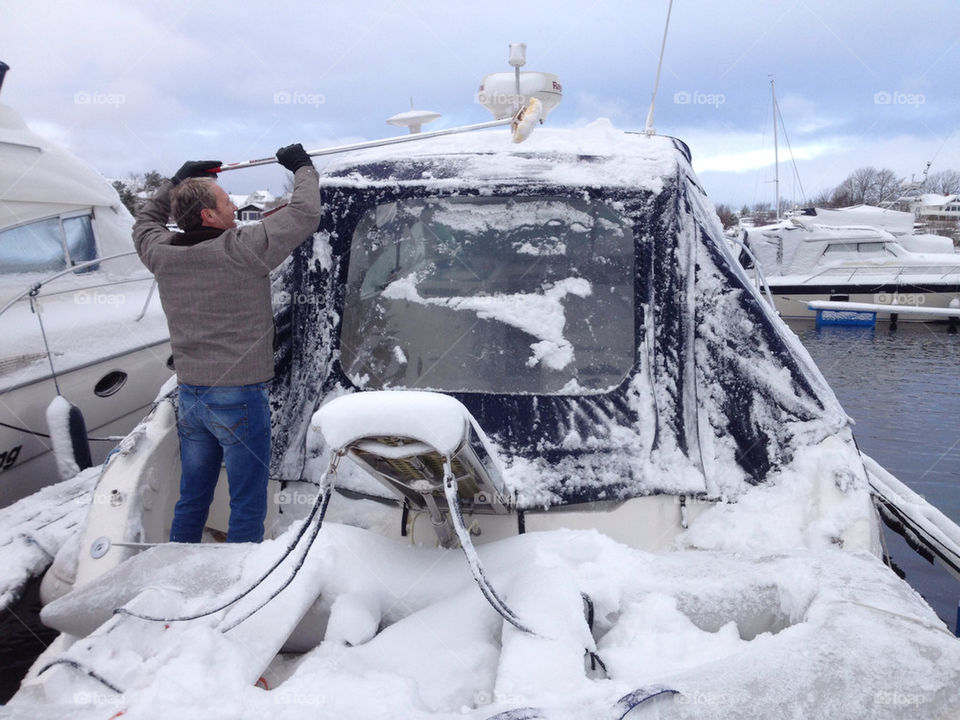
[(101, 341), (862, 259), (525, 466), (852, 265)]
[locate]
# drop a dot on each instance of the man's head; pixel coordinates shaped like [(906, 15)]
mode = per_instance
[(199, 202)]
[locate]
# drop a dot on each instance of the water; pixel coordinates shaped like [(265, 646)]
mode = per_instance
[(902, 387), (24, 637)]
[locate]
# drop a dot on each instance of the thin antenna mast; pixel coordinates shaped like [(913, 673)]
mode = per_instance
[(776, 153), (650, 129)]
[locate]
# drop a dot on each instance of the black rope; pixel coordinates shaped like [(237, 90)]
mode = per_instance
[(590, 611), (495, 601), (44, 435), (595, 660), (321, 502), (87, 671), (293, 573), (404, 517)]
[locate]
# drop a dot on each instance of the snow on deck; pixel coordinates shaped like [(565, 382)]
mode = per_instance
[(34, 529), (82, 326), (820, 631)]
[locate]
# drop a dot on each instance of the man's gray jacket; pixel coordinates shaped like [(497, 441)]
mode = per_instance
[(216, 293)]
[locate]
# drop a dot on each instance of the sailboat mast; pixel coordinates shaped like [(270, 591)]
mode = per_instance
[(776, 154)]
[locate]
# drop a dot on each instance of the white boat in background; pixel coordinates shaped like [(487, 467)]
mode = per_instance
[(78, 316), (850, 265), (538, 350), (832, 255)]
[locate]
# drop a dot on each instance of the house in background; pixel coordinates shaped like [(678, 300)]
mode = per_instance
[(250, 207), (940, 214)]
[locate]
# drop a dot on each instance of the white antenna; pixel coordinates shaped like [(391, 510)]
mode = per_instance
[(650, 129), (518, 58), (413, 119)]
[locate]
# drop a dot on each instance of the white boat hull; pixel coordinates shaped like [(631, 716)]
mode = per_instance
[(28, 461), (794, 305)]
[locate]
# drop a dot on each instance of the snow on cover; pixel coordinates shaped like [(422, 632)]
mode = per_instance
[(402, 631), (539, 314), (33, 530)]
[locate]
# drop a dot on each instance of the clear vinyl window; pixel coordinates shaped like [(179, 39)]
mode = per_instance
[(507, 295), (48, 245)]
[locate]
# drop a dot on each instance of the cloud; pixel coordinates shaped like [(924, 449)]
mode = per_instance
[(731, 152), (182, 80)]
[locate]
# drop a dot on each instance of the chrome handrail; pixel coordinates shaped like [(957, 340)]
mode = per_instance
[(33, 293), (901, 270), (759, 279), (34, 289)]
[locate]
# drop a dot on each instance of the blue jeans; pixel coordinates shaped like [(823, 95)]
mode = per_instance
[(232, 425)]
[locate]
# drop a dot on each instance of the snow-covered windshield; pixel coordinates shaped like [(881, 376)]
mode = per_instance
[(507, 295)]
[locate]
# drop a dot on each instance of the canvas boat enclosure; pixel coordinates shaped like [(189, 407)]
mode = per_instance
[(797, 247), (574, 293)]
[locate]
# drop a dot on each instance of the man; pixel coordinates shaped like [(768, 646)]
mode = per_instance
[(215, 290)]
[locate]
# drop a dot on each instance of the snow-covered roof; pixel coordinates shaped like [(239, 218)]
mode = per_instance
[(936, 200), (258, 199), (893, 221), (601, 156)]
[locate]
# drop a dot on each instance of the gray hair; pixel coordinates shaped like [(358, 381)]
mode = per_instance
[(189, 198)]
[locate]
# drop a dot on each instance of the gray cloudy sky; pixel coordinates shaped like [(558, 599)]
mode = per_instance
[(132, 86)]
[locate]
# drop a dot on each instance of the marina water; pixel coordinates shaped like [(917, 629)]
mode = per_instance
[(902, 388)]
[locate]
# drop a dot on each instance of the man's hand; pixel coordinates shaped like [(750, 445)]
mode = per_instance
[(293, 157), (196, 168)]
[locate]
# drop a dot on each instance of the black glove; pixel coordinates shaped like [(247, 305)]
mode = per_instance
[(196, 168), (293, 157)]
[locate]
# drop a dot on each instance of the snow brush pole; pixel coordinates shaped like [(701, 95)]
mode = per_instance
[(521, 125)]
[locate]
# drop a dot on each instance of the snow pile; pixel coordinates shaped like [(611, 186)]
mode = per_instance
[(402, 631), (33, 530), (370, 627), (595, 155), (820, 500), (438, 420)]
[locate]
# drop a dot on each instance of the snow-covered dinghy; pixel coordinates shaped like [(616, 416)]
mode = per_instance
[(536, 352)]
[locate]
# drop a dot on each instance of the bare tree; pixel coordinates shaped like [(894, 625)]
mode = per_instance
[(945, 182), (822, 199), (886, 187), (867, 185), (762, 213), (860, 184)]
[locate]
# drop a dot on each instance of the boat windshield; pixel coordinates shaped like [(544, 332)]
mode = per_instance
[(504, 295)]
